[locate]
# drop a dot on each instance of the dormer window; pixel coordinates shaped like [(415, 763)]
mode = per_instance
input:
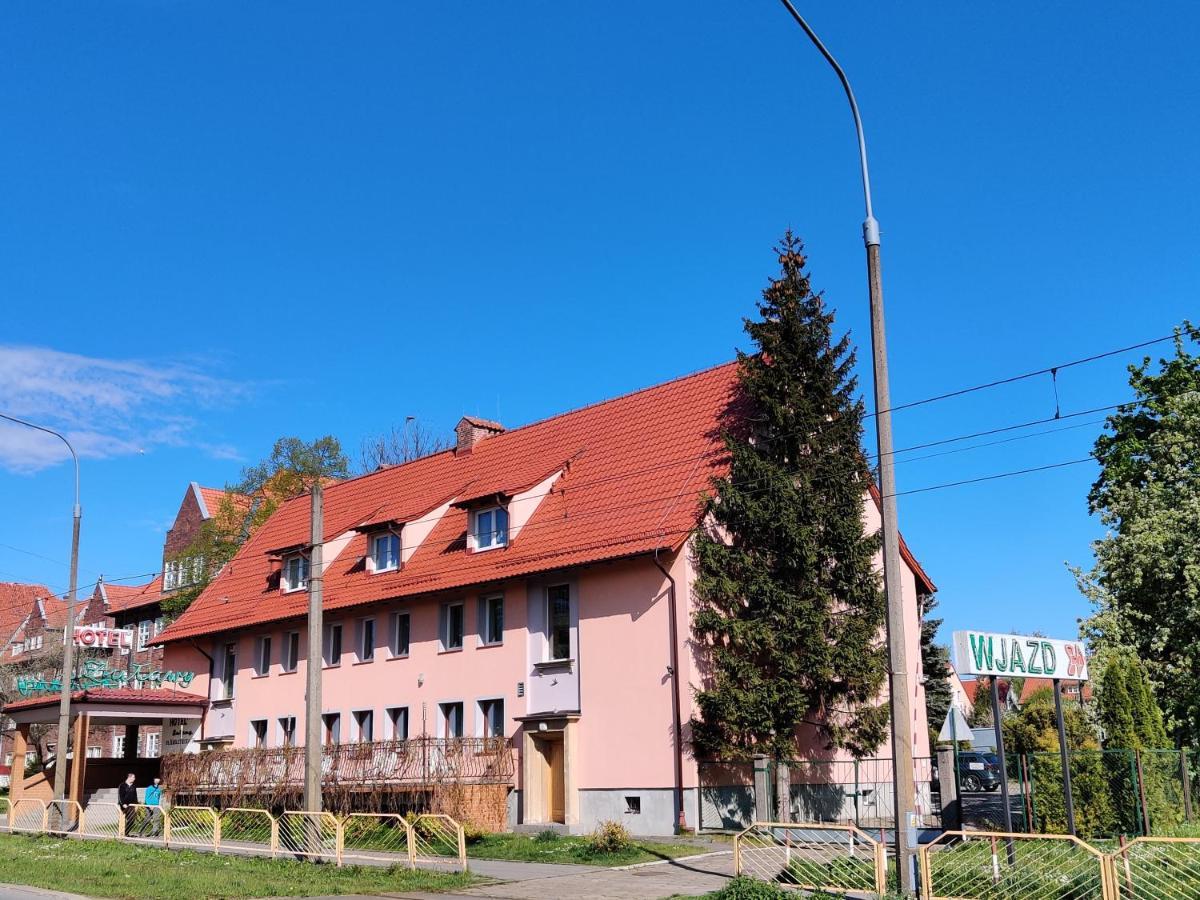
[(295, 572), (491, 528), (385, 552)]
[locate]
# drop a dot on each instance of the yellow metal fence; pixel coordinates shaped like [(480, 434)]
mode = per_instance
[(378, 838), (812, 856)]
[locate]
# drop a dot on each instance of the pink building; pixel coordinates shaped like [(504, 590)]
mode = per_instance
[(533, 584)]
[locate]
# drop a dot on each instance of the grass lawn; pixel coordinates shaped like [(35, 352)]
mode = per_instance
[(111, 869), (574, 849)]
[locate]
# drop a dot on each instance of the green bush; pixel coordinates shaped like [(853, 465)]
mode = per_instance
[(546, 836), (610, 837), (473, 834), (745, 888)]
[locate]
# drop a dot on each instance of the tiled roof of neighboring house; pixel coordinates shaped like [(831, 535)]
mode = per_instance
[(113, 695), (133, 596), (625, 478), (212, 498), (1027, 688), (16, 603), (56, 611)]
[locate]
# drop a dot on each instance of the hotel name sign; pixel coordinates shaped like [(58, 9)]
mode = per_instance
[(94, 674), (985, 653)]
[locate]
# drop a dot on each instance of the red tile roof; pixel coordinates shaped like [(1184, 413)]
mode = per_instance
[(122, 598), (633, 469), (212, 498), (16, 603), (113, 695)]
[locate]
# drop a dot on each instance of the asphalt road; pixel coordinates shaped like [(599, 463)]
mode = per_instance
[(20, 892), (987, 808)]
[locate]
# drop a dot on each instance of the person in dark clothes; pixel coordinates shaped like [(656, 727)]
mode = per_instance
[(127, 799)]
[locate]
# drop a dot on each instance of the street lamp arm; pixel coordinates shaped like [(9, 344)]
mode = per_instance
[(870, 226), (74, 457)]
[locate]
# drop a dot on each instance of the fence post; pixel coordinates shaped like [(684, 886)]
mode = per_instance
[(1187, 785), (337, 840), (166, 814), (1141, 786), (857, 818), (216, 831), (762, 789), (274, 835)]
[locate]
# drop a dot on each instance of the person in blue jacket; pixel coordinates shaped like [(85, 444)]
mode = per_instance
[(153, 801)]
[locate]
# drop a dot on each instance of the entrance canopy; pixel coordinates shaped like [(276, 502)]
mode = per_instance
[(110, 706)]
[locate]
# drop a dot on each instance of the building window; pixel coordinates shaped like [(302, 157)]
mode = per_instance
[(143, 633), (633, 806), (397, 717), (331, 729), (452, 719), (258, 733), (332, 651), (491, 528), (287, 731), (385, 552), (93, 752), (491, 625), (291, 651), (366, 640), (153, 740), (558, 603), (398, 642), (452, 626), (228, 671), (492, 714), (364, 725), (262, 655), (118, 745), (295, 572)]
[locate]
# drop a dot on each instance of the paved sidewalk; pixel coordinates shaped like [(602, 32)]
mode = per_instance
[(651, 881)]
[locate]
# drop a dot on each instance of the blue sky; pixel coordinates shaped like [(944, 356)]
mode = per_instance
[(227, 222)]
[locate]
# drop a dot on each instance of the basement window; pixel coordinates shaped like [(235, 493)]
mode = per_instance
[(633, 806)]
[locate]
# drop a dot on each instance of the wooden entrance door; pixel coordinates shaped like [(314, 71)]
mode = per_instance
[(556, 789)]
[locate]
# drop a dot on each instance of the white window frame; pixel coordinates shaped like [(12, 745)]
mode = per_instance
[(289, 662), (119, 746), (262, 655), (366, 648), (550, 654), (229, 673), (376, 540), (305, 567), (153, 745), (483, 708), (336, 718), (359, 717), (327, 657), (259, 739), (394, 635), (486, 637), (283, 731), (497, 539), (445, 629), (444, 719), (143, 633), (391, 714)]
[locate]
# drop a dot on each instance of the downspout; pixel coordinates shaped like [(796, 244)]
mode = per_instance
[(680, 817)]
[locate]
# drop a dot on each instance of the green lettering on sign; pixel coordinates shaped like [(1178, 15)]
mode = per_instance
[(982, 650), (1034, 648)]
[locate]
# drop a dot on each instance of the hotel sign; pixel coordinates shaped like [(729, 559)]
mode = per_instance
[(986, 653), (96, 636)]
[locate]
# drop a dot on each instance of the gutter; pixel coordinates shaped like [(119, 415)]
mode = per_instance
[(673, 668)]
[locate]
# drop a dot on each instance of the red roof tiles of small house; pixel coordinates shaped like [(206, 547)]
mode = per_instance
[(16, 603), (56, 611), (112, 695), (633, 470), (1036, 684)]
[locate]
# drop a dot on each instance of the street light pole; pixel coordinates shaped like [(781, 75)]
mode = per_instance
[(64, 703), (902, 760)]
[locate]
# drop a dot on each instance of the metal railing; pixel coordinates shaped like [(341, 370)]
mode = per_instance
[(383, 838), (812, 856), (968, 865)]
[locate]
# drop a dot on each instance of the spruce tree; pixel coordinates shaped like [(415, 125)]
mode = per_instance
[(935, 664), (1116, 707), (790, 609)]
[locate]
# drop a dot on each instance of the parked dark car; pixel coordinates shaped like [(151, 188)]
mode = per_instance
[(978, 771)]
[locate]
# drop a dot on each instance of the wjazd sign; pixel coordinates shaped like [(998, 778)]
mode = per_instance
[(985, 653)]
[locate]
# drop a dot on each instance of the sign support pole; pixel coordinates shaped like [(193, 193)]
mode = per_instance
[(1066, 756), (1008, 826)]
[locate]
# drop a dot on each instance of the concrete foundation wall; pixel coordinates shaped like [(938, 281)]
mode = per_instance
[(657, 816)]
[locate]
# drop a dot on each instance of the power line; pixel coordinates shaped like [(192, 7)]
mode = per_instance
[(950, 484), (57, 562), (1049, 370)]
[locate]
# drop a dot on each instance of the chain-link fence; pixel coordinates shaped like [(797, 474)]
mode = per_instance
[(432, 840), (812, 857)]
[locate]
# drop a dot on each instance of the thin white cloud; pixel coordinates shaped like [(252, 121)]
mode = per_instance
[(105, 407)]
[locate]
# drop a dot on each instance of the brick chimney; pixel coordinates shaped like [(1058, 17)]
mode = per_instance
[(470, 431)]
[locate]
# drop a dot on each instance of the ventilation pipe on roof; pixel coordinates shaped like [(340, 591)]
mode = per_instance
[(470, 431)]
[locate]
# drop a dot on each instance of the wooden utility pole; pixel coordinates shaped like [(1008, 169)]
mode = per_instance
[(314, 664)]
